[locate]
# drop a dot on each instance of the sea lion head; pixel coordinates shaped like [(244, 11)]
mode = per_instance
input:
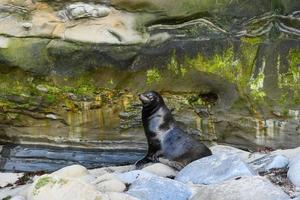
[(151, 98)]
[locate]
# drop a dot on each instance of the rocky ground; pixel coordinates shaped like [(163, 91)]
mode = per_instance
[(229, 174)]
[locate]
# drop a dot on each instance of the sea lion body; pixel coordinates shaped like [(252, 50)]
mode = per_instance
[(164, 137)]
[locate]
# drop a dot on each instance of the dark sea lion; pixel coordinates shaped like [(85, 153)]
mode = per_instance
[(165, 139)]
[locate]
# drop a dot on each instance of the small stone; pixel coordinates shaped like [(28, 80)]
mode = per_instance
[(82, 10), (51, 116), (105, 177), (4, 42), (130, 177), (113, 185), (27, 25), (114, 169), (42, 88), (73, 171), (214, 169), (160, 169), (269, 162), (109, 183)]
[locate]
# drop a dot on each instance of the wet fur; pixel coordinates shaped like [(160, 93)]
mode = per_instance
[(165, 138)]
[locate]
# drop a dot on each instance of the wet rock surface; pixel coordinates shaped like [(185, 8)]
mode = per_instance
[(32, 159)]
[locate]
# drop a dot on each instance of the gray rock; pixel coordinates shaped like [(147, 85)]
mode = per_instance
[(27, 25), (57, 188), (214, 169), (221, 149), (294, 172), (82, 10), (130, 177), (157, 188), (269, 162), (18, 198), (160, 169), (42, 88), (4, 41), (72, 171), (246, 188), (289, 153)]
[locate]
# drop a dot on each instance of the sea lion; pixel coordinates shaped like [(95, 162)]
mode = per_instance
[(165, 139)]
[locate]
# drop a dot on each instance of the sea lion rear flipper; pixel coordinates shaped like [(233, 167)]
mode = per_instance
[(140, 163)]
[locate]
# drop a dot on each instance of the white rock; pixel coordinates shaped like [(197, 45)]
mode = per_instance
[(4, 42), (21, 190), (80, 10), (130, 177), (245, 188), (51, 187), (269, 162), (9, 178), (120, 196), (27, 25), (160, 169), (18, 198), (255, 156), (113, 185), (41, 88), (51, 116), (158, 188), (294, 171), (221, 149), (73, 171), (289, 153), (107, 170), (105, 177), (214, 169)]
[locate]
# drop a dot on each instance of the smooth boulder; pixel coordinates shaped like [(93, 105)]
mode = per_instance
[(245, 188), (294, 171), (130, 177), (109, 183), (157, 188), (214, 169), (72, 171), (57, 188), (269, 162), (160, 169)]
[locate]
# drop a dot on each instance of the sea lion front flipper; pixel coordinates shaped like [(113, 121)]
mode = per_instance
[(149, 158)]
